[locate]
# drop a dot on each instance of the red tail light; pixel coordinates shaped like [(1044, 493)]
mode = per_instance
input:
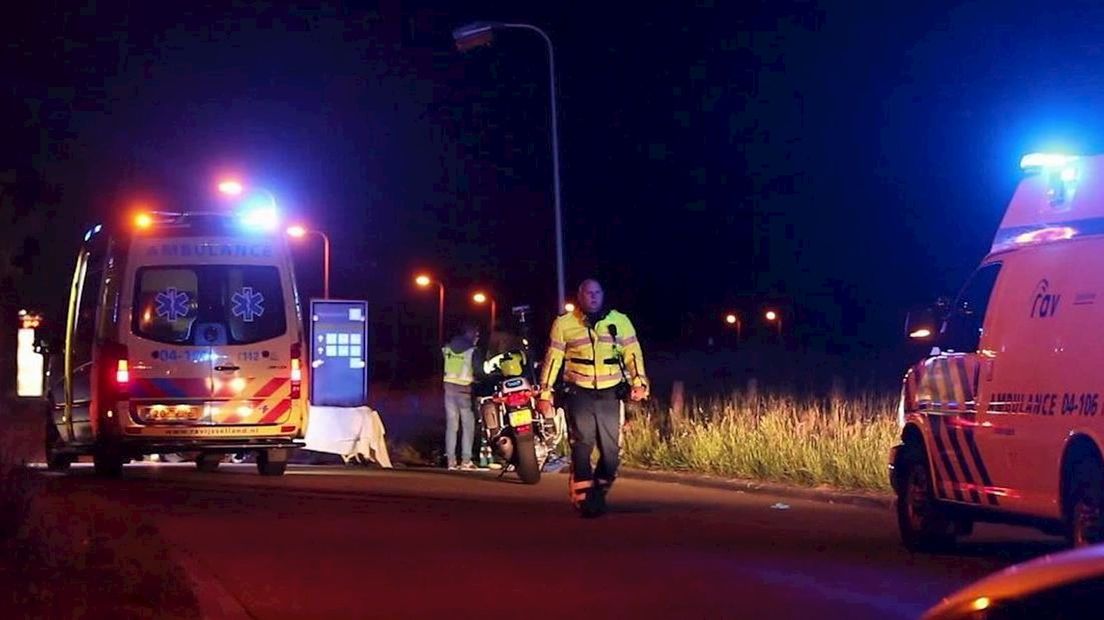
[(517, 399), (122, 373), (296, 370)]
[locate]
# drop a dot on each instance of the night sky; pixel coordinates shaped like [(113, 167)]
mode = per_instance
[(840, 162)]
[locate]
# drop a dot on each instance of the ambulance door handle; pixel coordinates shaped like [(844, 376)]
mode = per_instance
[(227, 368)]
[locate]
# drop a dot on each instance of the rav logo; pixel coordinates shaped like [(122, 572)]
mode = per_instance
[(1044, 304)]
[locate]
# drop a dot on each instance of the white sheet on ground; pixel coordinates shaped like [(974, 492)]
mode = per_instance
[(348, 432)]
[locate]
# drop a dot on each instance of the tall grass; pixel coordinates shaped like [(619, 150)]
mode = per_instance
[(839, 442)]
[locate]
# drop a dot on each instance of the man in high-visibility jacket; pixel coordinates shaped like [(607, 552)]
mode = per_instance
[(603, 365), (458, 379)]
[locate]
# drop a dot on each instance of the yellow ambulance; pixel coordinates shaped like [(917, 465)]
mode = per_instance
[(184, 335)]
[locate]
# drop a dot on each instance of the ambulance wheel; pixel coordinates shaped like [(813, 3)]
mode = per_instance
[(107, 464), (272, 462), (208, 462), (1086, 525), (55, 460), (920, 519)]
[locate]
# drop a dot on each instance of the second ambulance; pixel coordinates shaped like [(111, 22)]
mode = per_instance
[(1003, 421)]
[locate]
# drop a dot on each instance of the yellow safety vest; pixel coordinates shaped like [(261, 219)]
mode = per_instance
[(458, 366), (590, 357)]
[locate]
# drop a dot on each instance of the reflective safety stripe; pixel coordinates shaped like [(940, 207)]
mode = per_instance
[(579, 342), (559, 346), (627, 341), (576, 360), (577, 489), (586, 379), (606, 339)]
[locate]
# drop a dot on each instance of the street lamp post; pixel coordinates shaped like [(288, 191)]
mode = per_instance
[(479, 33), (481, 298), (734, 319), (775, 318), (424, 281), (299, 232)]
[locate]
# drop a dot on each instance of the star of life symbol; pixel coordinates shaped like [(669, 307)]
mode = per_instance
[(248, 304), (172, 304)]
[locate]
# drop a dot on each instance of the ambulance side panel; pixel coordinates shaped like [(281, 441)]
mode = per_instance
[(1041, 382), (81, 337)]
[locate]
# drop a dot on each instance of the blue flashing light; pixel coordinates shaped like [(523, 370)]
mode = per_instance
[(95, 230), (260, 218)]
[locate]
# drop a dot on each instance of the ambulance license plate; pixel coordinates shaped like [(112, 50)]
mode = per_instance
[(521, 417)]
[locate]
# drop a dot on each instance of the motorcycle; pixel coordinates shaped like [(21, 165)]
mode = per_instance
[(523, 438)]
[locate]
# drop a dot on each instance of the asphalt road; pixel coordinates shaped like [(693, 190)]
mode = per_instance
[(347, 543)]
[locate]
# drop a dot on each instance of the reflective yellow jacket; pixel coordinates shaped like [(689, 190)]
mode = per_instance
[(589, 357)]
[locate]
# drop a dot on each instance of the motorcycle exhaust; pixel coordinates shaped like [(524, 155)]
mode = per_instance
[(505, 447)]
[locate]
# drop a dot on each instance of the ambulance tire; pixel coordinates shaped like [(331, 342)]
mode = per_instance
[(272, 462), (107, 464), (1086, 499), (208, 462), (55, 460), (921, 520)]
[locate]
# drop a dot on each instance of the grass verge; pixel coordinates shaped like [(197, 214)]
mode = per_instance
[(837, 442)]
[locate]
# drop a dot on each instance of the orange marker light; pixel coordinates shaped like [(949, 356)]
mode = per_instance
[(230, 188), (143, 220)]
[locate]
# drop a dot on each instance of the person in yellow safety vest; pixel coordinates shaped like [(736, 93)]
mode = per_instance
[(458, 379), (603, 365)]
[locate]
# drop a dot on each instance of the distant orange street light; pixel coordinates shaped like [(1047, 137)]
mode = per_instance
[(734, 319), (481, 298), (774, 317), (298, 231), (424, 281)]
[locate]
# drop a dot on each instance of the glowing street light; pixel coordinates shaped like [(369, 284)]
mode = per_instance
[(774, 317), (424, 281), (298, 231), (569, 307), (482, 298), (734, 319)]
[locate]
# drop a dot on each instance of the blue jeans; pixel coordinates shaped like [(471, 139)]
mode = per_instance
[(458, 412)]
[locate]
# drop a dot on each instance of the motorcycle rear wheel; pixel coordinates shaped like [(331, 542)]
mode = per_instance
[(526, 450)]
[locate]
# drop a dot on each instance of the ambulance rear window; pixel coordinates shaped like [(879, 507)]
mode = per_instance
[(206, 305)]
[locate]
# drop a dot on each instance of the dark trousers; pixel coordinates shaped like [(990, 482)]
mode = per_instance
[(594, 421)]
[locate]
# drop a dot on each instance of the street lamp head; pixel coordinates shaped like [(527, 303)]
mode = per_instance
[(569, 307), (771, 315), (473, 35), (479, 298), (730, 319), (297, 231), (423, 280)]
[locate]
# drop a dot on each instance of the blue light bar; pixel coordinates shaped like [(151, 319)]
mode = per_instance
[(260, 218), (1046, 160)]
